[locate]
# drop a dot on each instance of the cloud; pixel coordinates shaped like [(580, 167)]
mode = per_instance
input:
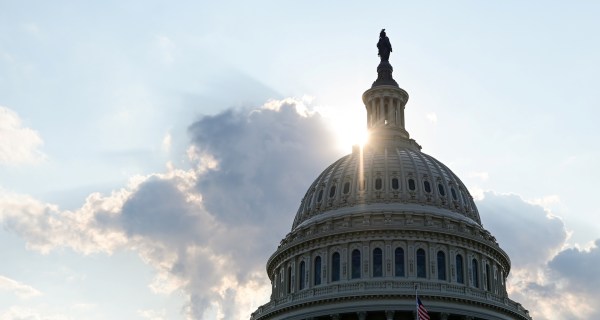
[(552, 281), (21, 290), (18, 144), (525, 231), (19, 313), (432, 117), (579, 269), (208, 230)]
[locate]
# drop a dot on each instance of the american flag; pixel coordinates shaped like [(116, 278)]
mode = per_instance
[(421, 311)]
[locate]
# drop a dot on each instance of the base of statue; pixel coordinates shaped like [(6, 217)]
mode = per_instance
[(384, 75)]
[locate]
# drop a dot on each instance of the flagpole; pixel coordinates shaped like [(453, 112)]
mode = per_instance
[(417, 301)]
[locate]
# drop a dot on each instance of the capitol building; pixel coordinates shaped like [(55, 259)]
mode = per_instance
[(382, 224)]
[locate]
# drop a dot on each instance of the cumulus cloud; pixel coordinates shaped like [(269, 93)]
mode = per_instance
[(552, 281), (208, 230), (18, 144), (21, 290), (526, 231), (20, 313)]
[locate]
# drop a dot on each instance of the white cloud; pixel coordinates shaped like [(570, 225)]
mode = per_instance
[(19, 289), (482, 175), (251, 166), (18, 144), (151, 314), (20, 313), (432, 117), (552, 282), (547, 201), (167, 142)]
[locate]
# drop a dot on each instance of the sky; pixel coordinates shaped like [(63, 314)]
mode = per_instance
[(153, 154)]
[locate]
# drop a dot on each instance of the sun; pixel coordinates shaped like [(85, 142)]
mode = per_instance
[(349, 129)]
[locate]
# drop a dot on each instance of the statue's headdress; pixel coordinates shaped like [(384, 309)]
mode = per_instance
[(382, 33)]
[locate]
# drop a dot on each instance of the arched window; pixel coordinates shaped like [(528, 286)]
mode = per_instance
[(427, 186), (441, 190), (378, 184), (317, 280), (302, 276), (355, 264), (441, 265), (399, 262), (346, 187), (453, 194), (411, 185), (488, 277), (332, 191), (377, 263), (475, 268), (320, 196), (335, 267), (497, 282), (289, 280), (460, 272), (421, 264), (395, 184)]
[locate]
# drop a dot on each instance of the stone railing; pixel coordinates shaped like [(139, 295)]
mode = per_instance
[(389, 287)]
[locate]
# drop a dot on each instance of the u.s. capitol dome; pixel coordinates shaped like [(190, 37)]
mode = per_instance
[(381, 223)]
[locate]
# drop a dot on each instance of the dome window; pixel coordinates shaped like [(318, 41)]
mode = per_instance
[(377, 263), (427, 186), (441, 190), (320, 196), (411, 185), (335, 267), (441, 265), (460, 273), (399, 262), (317, 280), (453, 194), (395, 184), (346, 187), (355, 264), (475, 268), (378, 184), (488, 278), (289, 280), (421, 264), (301, 282), (332, 191)]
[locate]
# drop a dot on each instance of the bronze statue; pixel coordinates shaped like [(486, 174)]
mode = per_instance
[(384, 46)]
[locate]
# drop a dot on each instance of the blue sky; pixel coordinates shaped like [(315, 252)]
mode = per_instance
[(129, 130)]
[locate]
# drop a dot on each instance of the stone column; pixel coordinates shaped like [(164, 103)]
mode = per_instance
[(389, 315)]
